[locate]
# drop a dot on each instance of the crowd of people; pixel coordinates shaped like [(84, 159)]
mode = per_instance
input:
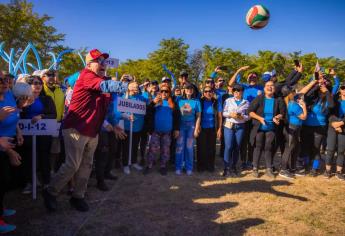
[(250, 120)]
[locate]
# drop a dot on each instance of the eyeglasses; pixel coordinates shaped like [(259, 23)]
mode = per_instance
[(208, 91), (4, 80), (101, 61), (164, 91)]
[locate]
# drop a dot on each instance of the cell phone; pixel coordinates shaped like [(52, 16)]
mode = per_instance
[(316, 75), (296, 62)]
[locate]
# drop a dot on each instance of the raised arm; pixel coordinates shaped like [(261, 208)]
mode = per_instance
[(233, 78)]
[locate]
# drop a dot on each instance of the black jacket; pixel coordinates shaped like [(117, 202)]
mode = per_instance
[(150, 117), (291, 80), (257, 106), (49, 110)]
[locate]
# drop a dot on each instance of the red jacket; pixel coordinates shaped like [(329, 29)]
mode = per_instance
[(88, 106)]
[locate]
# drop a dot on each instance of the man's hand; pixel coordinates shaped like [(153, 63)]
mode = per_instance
[(243, 68), (15, 158), (6, 143), (6, 111), (337, 124), (262, 120), (24, 101), (217, 69), (299, 68), (277, 119), (219, 133), (119, 133), (109, 128)]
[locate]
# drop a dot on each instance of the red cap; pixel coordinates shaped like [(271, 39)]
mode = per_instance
[(95, 54)]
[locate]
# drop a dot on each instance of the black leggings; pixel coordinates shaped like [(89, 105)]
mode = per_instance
[(311, 137), (335, 139), (206, 149), (264, 141), (246, 147), (292, 147), (4, 178)]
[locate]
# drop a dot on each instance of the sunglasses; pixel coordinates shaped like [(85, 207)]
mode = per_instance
[(342, 87), (209, 81), (164, 91), (208, 91), (37, 83), (4, 80), (221, 81), (101, 61)]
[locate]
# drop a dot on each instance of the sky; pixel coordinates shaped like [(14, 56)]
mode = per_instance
[(131, 29)]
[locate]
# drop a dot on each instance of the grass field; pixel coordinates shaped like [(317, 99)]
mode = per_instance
[(202, 204)]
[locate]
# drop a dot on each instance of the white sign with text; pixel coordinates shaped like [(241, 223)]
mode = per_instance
[(112, 62), (131, 106), (41, 127)]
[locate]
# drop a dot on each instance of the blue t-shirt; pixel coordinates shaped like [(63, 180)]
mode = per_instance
[(294, 110), (188, 108), (163, 118), (207, 117), (268, 115), (34, 109), (317, 117), (113, 116), (8, 126), (220, 92), (342, 109), (138, 122), (251, 91)]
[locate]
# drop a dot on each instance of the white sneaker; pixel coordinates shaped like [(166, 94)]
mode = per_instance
[(189, 172), (178, 172), (126, 170), (137, 166), (27, 189)]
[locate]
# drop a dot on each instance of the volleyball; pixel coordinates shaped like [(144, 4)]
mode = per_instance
[(257, 17)]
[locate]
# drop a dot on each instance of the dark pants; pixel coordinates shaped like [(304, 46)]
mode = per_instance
[(279, 142), (4, 178), (206, 149), (311, 137), (143, 144), (105, 154), (43, 144), (125, 146), (292, 147), (264, 142), (334, 140), (246, 147)]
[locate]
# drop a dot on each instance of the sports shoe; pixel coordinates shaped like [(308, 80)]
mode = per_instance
[(126, 170), (79, 204), (269, 173), (300, 172), (4, 227), (163, 171), (340, 176), (178, 172), (49, 200), (27, 189), (255, 173), (286, 174), (137, 166), (102, 186), (225, 172), (189, 172), (327, 174), (313, 173), (8, 212)]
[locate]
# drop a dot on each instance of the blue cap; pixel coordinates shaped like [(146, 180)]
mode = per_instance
[(266, 76)]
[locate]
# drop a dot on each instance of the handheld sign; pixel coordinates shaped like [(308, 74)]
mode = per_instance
[(48, 127), (131, 106), (112, 62)]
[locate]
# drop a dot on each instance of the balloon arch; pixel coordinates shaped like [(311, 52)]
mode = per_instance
[(20, 66)]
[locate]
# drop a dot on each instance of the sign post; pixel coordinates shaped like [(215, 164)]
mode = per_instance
[(131, 107), (47, 127)]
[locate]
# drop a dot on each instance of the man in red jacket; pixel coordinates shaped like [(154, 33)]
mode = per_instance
[(87, 111)]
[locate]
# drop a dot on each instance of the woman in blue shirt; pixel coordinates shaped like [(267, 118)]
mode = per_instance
[(189, 129), (43, 107), (138, 123), (211, 124), (319, 102), (163, 121), (336, 135)]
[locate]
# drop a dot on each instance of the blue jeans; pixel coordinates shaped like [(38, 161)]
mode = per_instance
[(232, 139), (184, 147)]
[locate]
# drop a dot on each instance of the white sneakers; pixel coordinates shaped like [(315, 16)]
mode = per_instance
[(178, 172), (127, 170), (189, 172)]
